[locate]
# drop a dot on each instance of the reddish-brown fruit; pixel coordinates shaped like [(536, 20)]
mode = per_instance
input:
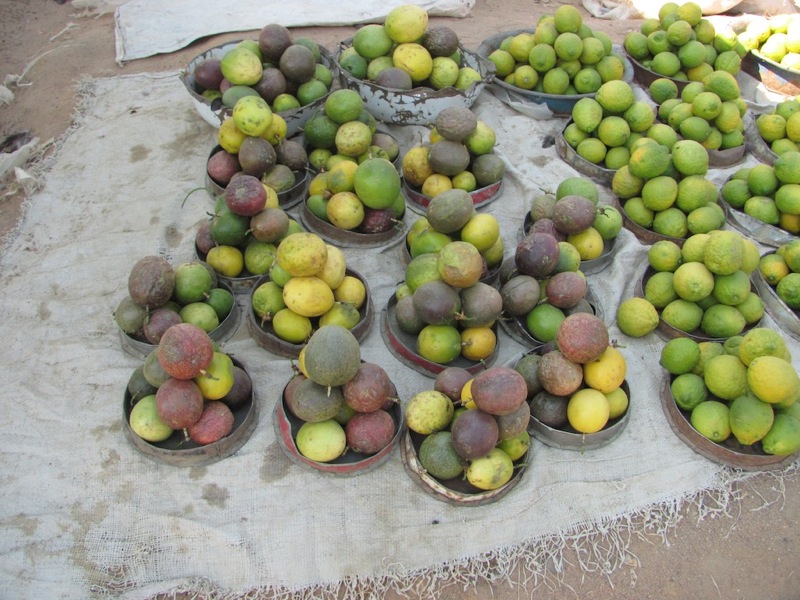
[(450, 382), (203, 238), (215, 422), (537, 254), (369, 433), (513, 424), (474, 433), (185, 351), (222, 166), (565, 289), (179, 403), (559, 375), (582, 337), (242, 389), (245, 195), (158, 322), (151, 281), (499, 390), (369, 389)]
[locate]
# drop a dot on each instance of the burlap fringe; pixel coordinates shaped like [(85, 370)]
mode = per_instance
[(600, 547)]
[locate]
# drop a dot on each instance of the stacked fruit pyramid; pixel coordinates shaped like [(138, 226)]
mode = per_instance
[(459, 154), (561, 56), (283, 71), (344, 404), (745, 389), (702, 287), (681, 44), (404, 52), (472, 427)]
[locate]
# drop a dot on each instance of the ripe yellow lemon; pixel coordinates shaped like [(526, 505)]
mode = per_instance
[(588, 410)]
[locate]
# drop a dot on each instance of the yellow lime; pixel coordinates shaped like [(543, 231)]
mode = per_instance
[(688, 390), (773, 268), (588, 410), (772, 379), (732, 289), (724, 252), (726, 376), (711, 420), (638, 213), (683, 315), (636, 317), (680, 355), (607, 372), (722, 321), (659, 290), (761, 341), (588, 242), (664, 255)]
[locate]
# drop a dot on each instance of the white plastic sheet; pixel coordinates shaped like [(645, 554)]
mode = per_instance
[(148, 27)]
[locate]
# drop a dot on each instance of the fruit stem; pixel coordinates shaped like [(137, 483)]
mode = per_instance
[(208, 375), (197, 189)]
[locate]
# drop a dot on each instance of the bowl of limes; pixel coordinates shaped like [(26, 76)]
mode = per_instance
[(733, 405), (553, 65), (778, 281)]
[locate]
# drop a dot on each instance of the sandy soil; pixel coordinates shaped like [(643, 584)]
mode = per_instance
[(753, 553)]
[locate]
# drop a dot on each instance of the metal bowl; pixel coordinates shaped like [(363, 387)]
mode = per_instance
[(774, 76), (351, 463), (214, 112), (756, 230), (786, 317), (418, 202), (418, 106), (402, 346), (730, 452), (180, 452), (569, 155), (560, 105), (457, 491)]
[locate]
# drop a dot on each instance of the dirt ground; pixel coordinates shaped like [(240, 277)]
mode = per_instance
[(754, 553)]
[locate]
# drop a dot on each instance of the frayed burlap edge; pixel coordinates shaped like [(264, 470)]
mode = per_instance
[(600, 547)]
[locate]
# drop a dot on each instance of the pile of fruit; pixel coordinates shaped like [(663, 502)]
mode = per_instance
[(160, 296), (344, 404), (447, 308), (709, 111), (746, 391), (664, 187), (776, 38), (472, 428), (781, 270), (451, 217), (681, 44), (576, 385), (604, 128), (543, 284), (242, 235), (703, 287), (572, 215), (769, 193), (405, 53), (284, 71), (459, 155), (308, 288), (187, 385), (779, 128), (562, 56), (252, 141), (344, 130)]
